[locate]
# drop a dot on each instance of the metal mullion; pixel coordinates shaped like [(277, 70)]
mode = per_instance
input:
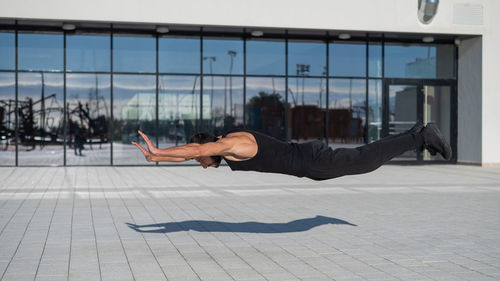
[(244, 80), (200, 122), (111, 125), (16, 127), (38, 71), (327, 112), (157, 93), (367, 115), (286, 88), (134, 73), (65, 109)]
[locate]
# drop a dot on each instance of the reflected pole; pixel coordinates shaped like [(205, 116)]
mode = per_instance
[(231, 54), (210, 60)]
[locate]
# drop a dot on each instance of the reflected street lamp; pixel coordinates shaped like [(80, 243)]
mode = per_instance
[(231, 54)]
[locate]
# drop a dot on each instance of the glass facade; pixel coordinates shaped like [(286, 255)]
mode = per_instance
[(81, 97)]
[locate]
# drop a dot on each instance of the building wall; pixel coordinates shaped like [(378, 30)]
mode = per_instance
[(469, 141), (477, 17)]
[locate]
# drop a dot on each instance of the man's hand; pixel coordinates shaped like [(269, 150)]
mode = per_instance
[(149, 157), (152, 149)]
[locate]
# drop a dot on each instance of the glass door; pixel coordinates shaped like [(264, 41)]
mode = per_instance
[(407, 101), (401, 112), (437, 109)]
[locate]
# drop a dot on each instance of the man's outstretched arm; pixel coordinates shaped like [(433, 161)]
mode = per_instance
[(189, 151)]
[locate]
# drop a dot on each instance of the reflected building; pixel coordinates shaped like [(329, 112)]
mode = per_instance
[(79, 98)]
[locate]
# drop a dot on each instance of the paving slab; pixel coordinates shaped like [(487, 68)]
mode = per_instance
[(400, 222)]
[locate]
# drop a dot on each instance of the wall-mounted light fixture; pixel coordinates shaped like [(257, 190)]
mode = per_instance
[(427, 9), (68, 27), (257, 33), (344, 36), (427, 39), (162, 29)]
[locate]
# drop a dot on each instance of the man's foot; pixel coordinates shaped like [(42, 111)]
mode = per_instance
[(415, 129), (435, 142)]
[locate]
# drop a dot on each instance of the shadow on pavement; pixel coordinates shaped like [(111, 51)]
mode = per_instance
[(247, 227)]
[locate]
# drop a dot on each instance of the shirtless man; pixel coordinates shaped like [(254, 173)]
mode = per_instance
[(247, 150)]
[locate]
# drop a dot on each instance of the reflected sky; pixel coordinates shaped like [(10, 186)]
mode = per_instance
[(7, 51), (179, 55), (134, 54), (265, 57), (224, 91), (309, 91), (345, 93), (222, 56), (40, 51), (88, 53), (89, 88), (7, 85), (347, 59), (398, 59), (306, 53)]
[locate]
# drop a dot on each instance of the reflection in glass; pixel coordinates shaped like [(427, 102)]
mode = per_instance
[(87, 53), (308, 108), (179, 55), (347, 59), (40, 51), (265, 106), (375, 60), (7, 51), (306, 59), (346, 113), (41, 118), (265, 57), (222, 56), (374, 110), (419, 61), (225, 104), (7, 119), (88, 119), (402, 112), (178, 109), (437, 108), (134, 108), (134, 54)]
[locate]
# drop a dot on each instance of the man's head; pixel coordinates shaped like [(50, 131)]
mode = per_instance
[(206, 161)]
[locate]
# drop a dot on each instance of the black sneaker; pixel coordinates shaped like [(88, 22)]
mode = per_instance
[(417, 128), (435, 142)]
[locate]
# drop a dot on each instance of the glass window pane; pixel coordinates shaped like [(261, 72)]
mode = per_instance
[(178, 111), (224, 98), (7, 51), (134, 54), (307, 108), (265, 57), (374, 109), (41, 117), (347, 59), (179, 55), (306, 59), (265, 106), (375, 60), (40, 51), (419, 61), (134, 108), (88, 106), (88, 53), (347, 116), (7, 119), (223, 56)]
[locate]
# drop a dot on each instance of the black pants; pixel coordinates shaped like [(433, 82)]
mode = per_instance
[(329, 163)]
